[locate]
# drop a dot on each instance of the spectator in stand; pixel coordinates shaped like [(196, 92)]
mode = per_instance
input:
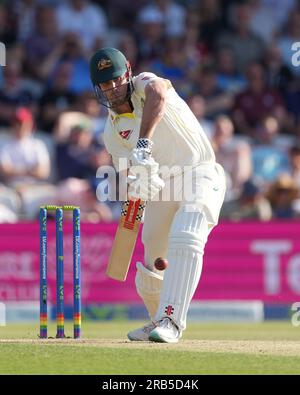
[(43, 40), (217, 101), (278, 10), (127, 45), (269, 158), (171, 14), (25, 13), (196, 48), (290, 35), (8, 34), (88, 21), (278, 75), (246, 46), (294, 155), (197, 105), (24, 159), (256, 102), (292, 99), (87, 104), (57, 98), (80, 156), (211, 21), (70, 50), (150, 33), (234, 155), (228, 78), (174, 66), (25, 163), (251, 204), (283, 195), (13, 92), (263, 20), (120, 15)]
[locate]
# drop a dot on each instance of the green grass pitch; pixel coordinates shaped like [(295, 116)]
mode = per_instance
[(215, 348)]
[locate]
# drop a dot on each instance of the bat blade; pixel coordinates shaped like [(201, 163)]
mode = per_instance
[(125, 239)]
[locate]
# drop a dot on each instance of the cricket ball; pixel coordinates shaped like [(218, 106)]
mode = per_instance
[(161, 264)]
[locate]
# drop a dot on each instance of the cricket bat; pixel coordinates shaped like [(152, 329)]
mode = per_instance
[(125, 239)]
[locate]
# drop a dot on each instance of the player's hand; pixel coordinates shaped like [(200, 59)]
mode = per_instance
[(144, 180), (144, 187)]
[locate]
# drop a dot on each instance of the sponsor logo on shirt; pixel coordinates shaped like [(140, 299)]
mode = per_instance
[(125, 134)]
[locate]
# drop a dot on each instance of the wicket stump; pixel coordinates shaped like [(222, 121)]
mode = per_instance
[(60, 316)]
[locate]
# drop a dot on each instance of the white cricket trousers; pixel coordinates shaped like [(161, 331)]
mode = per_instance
[(178, 230)]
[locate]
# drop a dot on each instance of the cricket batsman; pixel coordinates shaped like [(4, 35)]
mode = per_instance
[(154, 129)]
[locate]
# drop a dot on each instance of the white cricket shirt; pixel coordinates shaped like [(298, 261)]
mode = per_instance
[(178, 139)]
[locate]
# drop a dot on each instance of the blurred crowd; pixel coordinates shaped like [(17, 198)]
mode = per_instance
[(230, 60)]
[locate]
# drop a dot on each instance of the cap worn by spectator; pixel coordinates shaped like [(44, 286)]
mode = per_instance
[(286, 184), (250, 190)]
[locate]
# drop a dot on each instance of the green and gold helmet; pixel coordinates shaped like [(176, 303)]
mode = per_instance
[(109, 64)]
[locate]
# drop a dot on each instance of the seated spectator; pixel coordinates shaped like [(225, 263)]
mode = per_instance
[(13, 92), (294, 155), (174, 66), (68, 50), (66, 122), (292, 99), (150, 33), (43, 40), (217, 101), (25, 14), (8, 33), (172, 15), (234, 155), (283, 195), (88, 104), (80, 156), (278, 10), (86, 20), (72, 53), (197, 105), (121, 15), (196, 47), (251, 204), (263, 21), (128, 46), (25, 164), (269, 159), (278, 75), (24, 159), (256, 102), (211, 23), (246, 46), (288, 38), (228, 78), (57, 98)]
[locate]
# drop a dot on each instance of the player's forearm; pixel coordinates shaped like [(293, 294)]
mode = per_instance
[(154, 108)]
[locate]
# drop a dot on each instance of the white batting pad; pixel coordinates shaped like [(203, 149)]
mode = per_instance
[(187, 239), (148, 286)]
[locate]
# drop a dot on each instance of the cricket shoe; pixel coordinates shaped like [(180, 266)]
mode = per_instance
[(165, 332), (141, 334)]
